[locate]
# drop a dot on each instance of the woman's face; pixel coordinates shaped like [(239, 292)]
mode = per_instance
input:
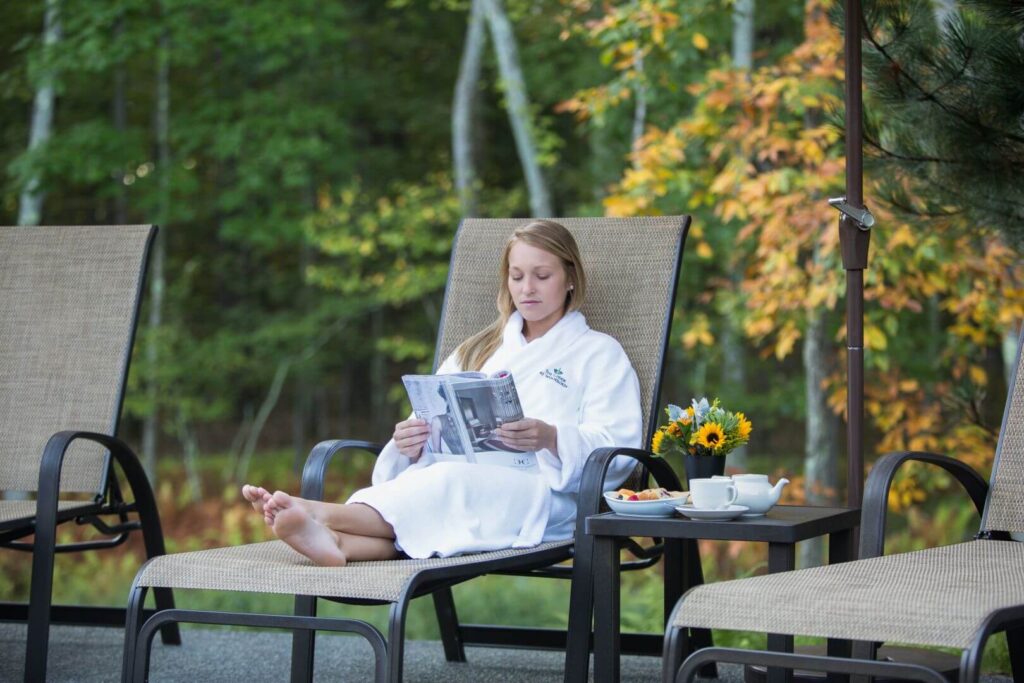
[(538, 284)]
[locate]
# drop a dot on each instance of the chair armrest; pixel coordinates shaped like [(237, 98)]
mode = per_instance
[(320, 457), (876, 493), (596, 468), (49, 484)]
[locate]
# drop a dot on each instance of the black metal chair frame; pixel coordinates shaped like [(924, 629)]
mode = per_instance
[(39, 612), (844, 658)]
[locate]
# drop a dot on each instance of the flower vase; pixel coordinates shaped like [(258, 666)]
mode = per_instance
[(703, 466)]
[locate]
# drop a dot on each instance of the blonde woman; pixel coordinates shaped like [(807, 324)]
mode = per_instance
[(575, 383)]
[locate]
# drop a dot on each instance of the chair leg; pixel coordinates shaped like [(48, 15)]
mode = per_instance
[(867, 651), (134, 616), (581, 612), (303, 642), (676, 645), (40, 596), (396, 639), (153, 539), (1015, 644), (448, 623)]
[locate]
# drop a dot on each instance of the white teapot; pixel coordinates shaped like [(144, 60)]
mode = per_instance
[(757, 493)]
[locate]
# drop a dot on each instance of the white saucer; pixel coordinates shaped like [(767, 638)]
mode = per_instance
[(730, 512)]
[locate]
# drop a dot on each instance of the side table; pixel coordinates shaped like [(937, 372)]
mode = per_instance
[(782, 528)]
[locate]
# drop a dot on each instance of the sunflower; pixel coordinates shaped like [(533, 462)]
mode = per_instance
[(744, 426), (710, 436), (674, 430), (659, 436)]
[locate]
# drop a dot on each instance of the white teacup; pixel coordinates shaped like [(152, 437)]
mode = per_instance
[(712, 494)]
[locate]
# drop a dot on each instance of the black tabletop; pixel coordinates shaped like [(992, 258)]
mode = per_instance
[(782, 524)]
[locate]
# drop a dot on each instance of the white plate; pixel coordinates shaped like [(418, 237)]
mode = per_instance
[(663, 507), (730, 512)]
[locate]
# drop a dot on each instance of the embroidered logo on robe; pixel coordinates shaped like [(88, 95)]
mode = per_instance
[(556, 375)]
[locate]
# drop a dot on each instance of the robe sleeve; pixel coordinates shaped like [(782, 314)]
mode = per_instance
[(390, 463), (609, 415)]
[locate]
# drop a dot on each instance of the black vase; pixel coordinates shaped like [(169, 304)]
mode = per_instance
[(703, 466)]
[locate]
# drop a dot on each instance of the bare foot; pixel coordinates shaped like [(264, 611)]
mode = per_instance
[(279, 500), (296, 527), (258, 496)]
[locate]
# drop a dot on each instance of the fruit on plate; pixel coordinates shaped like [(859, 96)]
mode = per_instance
[(646, 494)]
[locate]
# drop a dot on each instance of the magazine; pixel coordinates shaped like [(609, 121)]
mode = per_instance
[(463, 410)]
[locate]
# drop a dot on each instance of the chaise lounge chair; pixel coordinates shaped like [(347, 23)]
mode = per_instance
[(69, 301), (955, 596), (632, 267)]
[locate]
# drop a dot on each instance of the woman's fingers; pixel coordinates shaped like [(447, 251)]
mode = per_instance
[(410, 435)]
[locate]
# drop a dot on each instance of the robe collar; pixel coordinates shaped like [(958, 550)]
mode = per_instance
[(569, 328)]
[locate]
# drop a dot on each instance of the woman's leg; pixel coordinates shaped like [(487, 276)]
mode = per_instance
[(343, 533)]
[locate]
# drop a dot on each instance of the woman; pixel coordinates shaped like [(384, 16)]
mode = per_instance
[(577, 379)]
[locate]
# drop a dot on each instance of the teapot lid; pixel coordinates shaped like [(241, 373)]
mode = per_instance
[(751, 477)]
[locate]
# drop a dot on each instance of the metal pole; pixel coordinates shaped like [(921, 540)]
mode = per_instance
[(854, 236)]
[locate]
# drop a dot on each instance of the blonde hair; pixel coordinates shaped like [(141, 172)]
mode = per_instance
[(553, 238)]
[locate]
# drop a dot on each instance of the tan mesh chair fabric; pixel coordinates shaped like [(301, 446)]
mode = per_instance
[(67, 307), (630, 266), (25, 510), (1004, 510), (937, 596), (628, 262), (273, 567)]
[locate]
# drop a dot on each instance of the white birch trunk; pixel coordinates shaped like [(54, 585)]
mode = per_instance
[(743, 34), (151, 425), (517, 105), (30, 204), (639, 104), (820, 446), (463, 108)]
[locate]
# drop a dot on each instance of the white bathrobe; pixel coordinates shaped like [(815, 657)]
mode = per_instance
[(573, 377)]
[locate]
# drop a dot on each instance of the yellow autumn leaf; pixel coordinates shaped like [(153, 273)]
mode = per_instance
[(700, 41), (978, 375), (704, 250), (874, 338)]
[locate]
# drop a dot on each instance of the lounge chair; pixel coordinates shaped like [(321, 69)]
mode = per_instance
[(69, 301), (954, 596), (632, 267)]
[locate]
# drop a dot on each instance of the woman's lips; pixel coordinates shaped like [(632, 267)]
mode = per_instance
[(529, 302)]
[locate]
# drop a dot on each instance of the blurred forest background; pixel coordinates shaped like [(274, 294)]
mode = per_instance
[(309, 162)]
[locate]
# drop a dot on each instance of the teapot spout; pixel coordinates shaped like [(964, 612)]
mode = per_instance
[(777, 489)]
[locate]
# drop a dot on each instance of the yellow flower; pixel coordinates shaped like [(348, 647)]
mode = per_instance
[(744, 427), (674, 430), (659, 436), (710, 436)]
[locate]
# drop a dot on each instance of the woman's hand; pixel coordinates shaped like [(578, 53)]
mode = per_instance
[(410, 436), (529, 434)]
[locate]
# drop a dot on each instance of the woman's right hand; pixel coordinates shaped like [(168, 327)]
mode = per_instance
[(410, 435)]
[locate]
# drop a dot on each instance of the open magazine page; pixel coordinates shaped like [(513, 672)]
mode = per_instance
[(433, 401), (469, 408)]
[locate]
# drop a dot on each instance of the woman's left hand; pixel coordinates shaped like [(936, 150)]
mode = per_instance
[(529, 434)]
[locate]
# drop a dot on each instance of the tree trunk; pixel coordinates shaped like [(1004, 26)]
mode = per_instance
[(734, 377), (120, 116), (517, 105), (151, 426), (820, 448), (639, 106), (743, 34), (30, 205), (463, 107)]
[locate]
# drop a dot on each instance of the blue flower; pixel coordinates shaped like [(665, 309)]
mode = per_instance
[(674, 412), (700, 410)]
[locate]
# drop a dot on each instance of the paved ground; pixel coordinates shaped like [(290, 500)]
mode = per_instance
[(91, 655)]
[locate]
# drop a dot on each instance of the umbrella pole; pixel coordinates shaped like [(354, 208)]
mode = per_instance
[(854, 236)]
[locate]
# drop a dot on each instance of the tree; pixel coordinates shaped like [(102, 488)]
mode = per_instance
[(517, 104), (466, 89), (945, 109), (31, 205)]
